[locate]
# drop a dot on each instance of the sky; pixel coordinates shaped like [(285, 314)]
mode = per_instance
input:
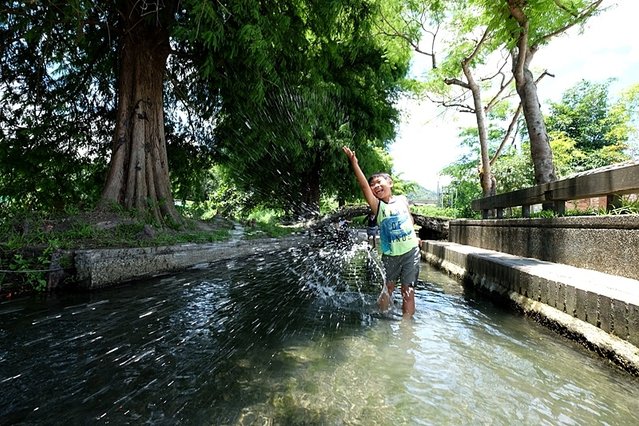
[(427, 136)]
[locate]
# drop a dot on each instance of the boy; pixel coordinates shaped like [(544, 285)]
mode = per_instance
[(399, 243)]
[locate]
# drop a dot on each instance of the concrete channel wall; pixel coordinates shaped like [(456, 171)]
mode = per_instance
[(602, 243), (103, 268), (580, 281)]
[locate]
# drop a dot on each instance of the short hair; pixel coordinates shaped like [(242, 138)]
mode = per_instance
[(382, 175)]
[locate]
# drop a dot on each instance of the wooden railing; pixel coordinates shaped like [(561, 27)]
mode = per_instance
[(611, 182)]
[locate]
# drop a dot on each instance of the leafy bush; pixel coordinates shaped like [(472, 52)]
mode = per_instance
[(433, 211), (267, 223)]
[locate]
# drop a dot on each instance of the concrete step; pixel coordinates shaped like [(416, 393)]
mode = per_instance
[(599, 309)]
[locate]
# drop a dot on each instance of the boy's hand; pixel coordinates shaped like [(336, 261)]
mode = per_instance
[(371, 199), (350, 154)]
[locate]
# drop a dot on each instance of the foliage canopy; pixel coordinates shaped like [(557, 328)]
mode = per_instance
[(261, 88)]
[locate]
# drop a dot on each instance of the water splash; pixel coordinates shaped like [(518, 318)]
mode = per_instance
[(339, 270)]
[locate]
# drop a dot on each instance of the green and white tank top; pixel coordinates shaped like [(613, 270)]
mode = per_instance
[(396, 231)]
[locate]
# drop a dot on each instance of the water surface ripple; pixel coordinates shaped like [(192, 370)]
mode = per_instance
[(266, 340)]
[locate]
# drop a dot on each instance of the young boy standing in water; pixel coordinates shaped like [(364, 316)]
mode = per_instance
[(399, 243)]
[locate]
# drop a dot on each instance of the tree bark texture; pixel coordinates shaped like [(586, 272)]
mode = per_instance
[(138, 175), (486, 178), (485, 173), (522, 55), (540, 150)]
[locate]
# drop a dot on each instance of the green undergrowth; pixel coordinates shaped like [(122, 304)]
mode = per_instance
[(629, 209), (29, 242), (437, 212), (268, 224), (84, 232)]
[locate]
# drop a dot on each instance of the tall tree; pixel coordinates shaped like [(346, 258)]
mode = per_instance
[(220, 61), (139, 171), (286, 151), (103, 66), (521, 27), (456, 59), (479, 109), (526, 26)]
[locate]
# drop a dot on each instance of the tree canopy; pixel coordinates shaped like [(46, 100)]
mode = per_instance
[(286, 151), (514, 169), (586, 115), (468, 37), (138, 88)]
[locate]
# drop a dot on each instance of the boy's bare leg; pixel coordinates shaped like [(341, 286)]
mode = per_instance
[(384, 299), (408, 300)]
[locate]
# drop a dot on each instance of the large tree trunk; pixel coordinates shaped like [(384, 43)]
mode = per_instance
[(486, 178), (139, 176), (312, 195), (304, 202), (522, 55), (485, 173), (540, 150)]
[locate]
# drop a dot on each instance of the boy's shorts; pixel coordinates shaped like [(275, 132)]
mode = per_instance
[(402, 269)]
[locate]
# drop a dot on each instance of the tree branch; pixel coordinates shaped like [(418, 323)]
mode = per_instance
[(513, 121), (502, 86), (456, 82), (397, 33), (582, 16), (507, 136), (478, 46), (460, 107), (515, 8)]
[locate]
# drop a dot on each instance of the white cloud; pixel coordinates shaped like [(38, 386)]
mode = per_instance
[(427, 139)]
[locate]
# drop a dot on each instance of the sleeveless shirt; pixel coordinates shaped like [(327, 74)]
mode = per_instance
[(396, 232)]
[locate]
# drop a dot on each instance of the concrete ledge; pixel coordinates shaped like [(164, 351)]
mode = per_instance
[(600, 243), (103, 268), (598, 309)]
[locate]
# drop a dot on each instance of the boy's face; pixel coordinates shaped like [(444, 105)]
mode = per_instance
[(381, 187)]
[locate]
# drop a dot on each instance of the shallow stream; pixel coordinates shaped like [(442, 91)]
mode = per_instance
[(277, 340)]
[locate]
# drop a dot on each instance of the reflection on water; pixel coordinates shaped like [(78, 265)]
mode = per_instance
[(269, 341)]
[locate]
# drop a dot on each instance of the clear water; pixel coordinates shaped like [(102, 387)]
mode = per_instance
[(270, 340)]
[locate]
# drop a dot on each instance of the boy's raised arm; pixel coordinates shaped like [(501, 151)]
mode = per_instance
[(372, 201)]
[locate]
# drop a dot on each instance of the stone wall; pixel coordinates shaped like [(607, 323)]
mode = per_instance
[(607, 244), (598, 309), (102, 268)]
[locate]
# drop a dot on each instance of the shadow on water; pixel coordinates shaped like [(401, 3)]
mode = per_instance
[(195, 347), (288, 338)]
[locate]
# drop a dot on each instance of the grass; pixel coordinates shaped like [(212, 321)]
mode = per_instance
[(29, 240), (438, 212), (267, 223), (629, 205)]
